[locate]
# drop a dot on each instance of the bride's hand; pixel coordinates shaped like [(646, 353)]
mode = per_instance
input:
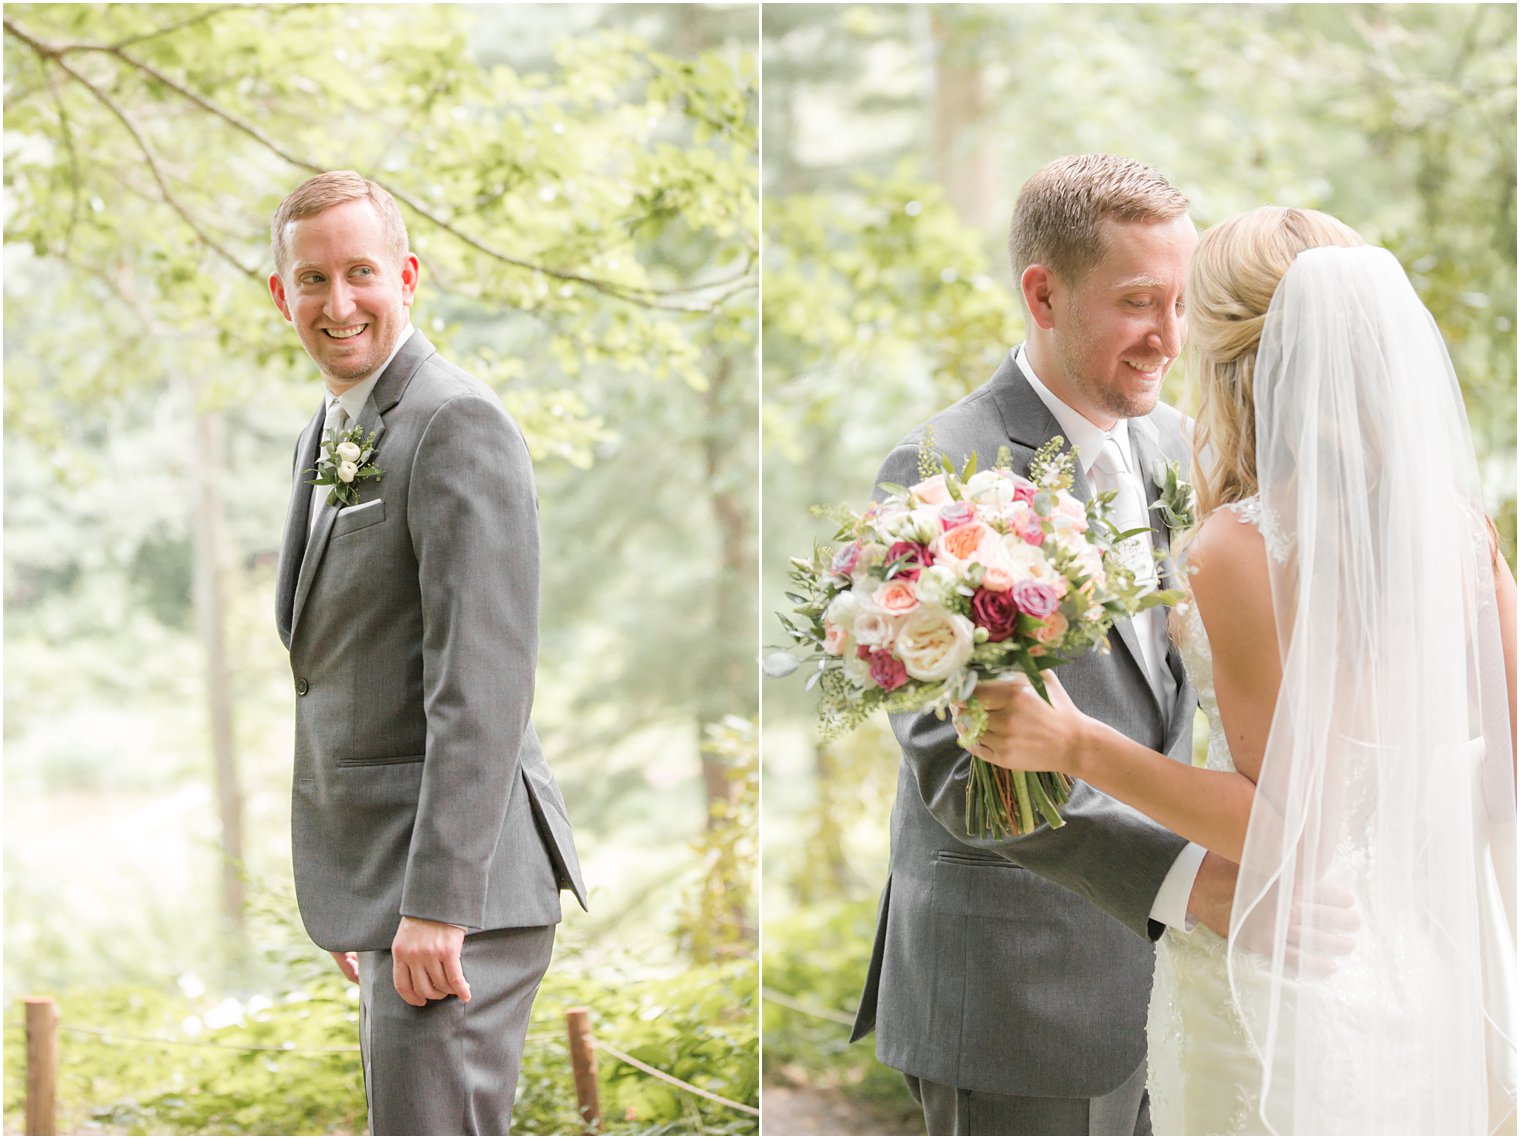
[(1023, 732)]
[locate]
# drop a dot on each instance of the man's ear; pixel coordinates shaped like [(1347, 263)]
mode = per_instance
[(1039, 286), (411, 273), (277, 291)]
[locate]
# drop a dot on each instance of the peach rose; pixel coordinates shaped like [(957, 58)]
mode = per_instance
[(896, 597), (834, 638), (998, 579), (960, 545)]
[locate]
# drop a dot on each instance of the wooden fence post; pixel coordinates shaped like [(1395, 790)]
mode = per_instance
[(41, 1066), (583, 1063)]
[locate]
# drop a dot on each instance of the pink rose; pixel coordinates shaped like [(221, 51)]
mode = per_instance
[(1023, 521), (887, 670), (998, 613), (1023, 489), (846, 558), (896, 597), (917, 557), (998, 579), (1037, 598), (933, 490), (954, 514)]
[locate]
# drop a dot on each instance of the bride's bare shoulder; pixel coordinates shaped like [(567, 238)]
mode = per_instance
[(1228, 575)]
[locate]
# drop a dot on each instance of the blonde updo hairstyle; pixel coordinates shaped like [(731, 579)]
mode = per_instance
[(1231, 278)]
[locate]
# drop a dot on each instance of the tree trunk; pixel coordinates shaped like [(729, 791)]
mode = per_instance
[(213, 565), (963, 160), (732, 626)]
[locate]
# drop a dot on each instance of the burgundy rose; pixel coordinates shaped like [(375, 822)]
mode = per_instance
[(917, 555), (863, 652), (954, 514), (998, 613), (887, 670), (1037, 598)]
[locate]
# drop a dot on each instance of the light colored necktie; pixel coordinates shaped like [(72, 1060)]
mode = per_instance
[(337, 420), (1110, 472), (1127, 509)]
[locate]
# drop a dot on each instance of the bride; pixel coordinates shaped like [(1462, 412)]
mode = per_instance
[(1350, 630)]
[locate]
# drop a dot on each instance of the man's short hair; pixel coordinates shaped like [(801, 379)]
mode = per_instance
[(1058, 220), (333, 189)]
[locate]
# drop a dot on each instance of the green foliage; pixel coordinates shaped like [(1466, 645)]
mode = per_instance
[(819, 961), (699, 1027), (717, 922)]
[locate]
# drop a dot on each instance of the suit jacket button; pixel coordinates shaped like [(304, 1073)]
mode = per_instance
[(302, 688)]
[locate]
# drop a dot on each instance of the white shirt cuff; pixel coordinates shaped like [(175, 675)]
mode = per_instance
[(1171, 905)]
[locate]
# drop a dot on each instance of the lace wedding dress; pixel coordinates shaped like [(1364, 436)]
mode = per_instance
[(1204, 1076)]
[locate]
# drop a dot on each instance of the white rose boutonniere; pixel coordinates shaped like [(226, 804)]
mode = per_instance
[(345, 460), (1176, 498)]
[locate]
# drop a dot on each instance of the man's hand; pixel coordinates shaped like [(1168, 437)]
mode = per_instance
[(348, 965), (1214, 893), (1318, 933), (425, 961)]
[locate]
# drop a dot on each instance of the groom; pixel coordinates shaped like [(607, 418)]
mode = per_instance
[(1007, 982), (430, 840)]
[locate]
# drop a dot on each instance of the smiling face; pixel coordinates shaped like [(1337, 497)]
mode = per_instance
[(346, 289), (1104, 343)]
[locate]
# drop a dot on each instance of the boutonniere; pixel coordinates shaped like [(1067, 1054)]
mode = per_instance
[(346, 459), (1176, 498)]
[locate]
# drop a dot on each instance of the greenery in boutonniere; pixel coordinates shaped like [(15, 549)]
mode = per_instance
[(346, 460), (1176, 499)]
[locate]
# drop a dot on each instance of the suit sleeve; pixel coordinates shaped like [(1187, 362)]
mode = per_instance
[(1107, 852), (473, 517)]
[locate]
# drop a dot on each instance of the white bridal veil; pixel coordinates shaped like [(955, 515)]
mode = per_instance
[(1388, 774)]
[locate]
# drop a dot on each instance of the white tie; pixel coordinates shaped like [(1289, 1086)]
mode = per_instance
[(337, 420), (1128, 511), (1110, 472)]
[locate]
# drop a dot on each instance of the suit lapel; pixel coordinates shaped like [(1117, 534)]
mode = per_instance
[(297, 516), (1029, 423), (387, 392), (1146, 445)]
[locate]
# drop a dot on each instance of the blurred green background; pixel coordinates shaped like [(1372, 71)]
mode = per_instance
[(895, 140), (580, 183)]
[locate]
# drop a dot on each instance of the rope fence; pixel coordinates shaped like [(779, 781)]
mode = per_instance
[(43, 1028), (807, 1008)]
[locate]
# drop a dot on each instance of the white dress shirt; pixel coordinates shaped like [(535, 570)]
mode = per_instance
[(353, 401), (1086, 438)]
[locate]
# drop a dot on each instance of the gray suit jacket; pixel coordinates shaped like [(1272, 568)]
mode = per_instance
[(412, 624), (1013, 965)]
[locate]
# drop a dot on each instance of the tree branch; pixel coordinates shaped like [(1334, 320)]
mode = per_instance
[(75, 180), (633, 294), (151, 158)]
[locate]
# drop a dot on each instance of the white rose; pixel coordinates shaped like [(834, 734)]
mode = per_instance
[(349, 452), (990, 488), (935, 643), (924, 525), (1025, 561), (347, 471), (936, 585), (857, 671), (874, 626), (842, 609)]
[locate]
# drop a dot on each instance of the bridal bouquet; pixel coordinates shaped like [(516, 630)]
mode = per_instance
[(957, 579)]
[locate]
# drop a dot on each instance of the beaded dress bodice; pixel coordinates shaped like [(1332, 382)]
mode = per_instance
[(1203, 1079)]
